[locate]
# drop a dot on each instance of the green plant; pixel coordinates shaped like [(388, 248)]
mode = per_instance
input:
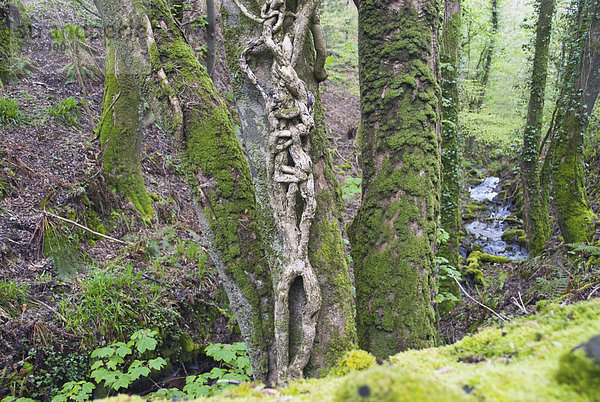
[(446, 272), (234, 368), (351, 187), (114, 366), (82, 65), (12, 297), (10, 112), (67, 112)]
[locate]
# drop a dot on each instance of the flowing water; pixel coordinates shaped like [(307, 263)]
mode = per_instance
[(488, 231)]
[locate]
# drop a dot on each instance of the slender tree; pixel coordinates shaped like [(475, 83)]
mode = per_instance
[(582, 83), (535, 203), (450, 217), (15, 27), (484, 65), (394, 233)]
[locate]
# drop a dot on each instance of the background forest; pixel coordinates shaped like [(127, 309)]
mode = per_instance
[(177, 223)]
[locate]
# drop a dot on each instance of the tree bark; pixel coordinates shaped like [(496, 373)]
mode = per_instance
[(335, 331), (535, 204), (15, 27), (394, 233), (150, 44), (450, 217), (582, 83), (119, 134)]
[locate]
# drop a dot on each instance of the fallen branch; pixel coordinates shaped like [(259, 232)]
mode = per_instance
[(85, 228), (503, 318)]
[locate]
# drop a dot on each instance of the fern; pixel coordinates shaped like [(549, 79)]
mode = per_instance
[(584, 249)]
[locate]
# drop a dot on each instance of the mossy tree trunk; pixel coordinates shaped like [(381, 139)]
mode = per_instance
[(393, 236), (15, 27), (484, 65), (535, 204), (150, 44), (582, 83), (119, 134), (335, 331), (450, 217)]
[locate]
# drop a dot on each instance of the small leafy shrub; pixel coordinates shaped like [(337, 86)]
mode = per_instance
[(54, 368), (12, 297), (67, 112), (234, 368), (111, 303), (116, 367), (351, 187), (10, 112), (71, 38)]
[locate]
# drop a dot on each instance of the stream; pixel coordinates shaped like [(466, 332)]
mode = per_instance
[(488, 231)]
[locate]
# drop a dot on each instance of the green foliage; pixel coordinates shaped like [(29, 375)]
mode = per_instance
[(10, 114), (351, 187), (339, 20), (446, 273), (66, 112), (234, 368), (53, 368), (12, 297), (116, 367), (71, 38), (13, 68), (113, 302)]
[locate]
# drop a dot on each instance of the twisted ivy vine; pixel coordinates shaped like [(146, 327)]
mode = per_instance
[(289, 166)]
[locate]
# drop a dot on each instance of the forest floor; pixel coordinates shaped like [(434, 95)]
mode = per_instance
[(65, 291)]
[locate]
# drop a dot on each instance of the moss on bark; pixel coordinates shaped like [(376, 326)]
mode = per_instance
[(15, 27), (182, 94), (535, 204), (118, 131), (394, 233), (450, 218)]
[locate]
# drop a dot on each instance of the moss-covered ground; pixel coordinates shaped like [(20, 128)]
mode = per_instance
[(529, 359)]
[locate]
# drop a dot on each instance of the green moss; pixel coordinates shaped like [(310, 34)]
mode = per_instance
[(353, 360), (118, 130), (513, 236), (395, 228), (580, 368), (381, 384)]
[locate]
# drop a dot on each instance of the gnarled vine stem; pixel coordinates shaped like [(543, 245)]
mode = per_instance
[(289, 166)]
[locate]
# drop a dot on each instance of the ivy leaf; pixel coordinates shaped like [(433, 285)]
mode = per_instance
[(145, 344), (138, 372), (221, 352), (122, 382), (157, 364), (123, 350), (103, 352)]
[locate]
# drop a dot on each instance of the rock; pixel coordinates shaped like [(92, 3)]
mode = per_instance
[(580, 368)]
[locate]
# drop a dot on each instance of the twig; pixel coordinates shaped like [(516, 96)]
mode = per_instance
[(85, 228), (519, 305), (593, 291), (62, 317), (504, 319)]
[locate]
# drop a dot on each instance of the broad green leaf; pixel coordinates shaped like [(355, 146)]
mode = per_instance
[(145, 344), (103, 352), (157, 364)]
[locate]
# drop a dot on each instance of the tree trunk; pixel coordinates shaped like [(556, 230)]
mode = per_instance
[(15, 27), (450, 217), (486, 56), (535, 205), (394, 233), (119, 129), (335, 331), (150, 44), (582, 83)]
